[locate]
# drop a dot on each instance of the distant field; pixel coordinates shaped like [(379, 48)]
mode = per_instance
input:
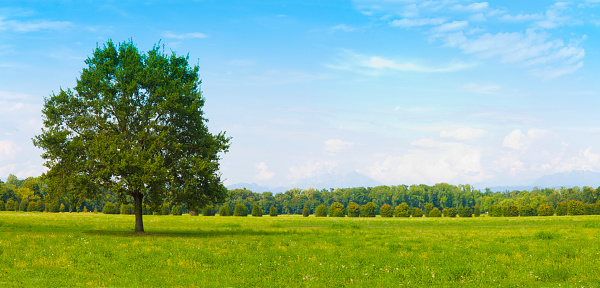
[(49, 250)]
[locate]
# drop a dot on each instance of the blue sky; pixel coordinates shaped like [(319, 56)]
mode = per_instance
[(405, 92)]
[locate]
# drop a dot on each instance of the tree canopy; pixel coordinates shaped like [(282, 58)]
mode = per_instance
[(133, 125)]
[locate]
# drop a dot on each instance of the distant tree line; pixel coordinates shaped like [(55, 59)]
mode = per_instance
[(437, 200)]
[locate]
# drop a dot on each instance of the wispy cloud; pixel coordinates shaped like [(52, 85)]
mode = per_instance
[(332, 146), (374, 65), (341, 27), (407, 23), (32, 26), (192, 35)]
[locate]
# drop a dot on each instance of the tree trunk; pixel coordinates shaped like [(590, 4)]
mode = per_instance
[(139, 225)]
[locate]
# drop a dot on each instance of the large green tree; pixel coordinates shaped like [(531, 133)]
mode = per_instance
[(132, 125)]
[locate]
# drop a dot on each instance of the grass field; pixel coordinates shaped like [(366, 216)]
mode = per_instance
[(96, 250)]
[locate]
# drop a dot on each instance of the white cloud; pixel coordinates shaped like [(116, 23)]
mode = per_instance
[(373, 65), (342, 27), (465, 133), (521, 17), (407, 23), (517, 140), (431, 162), (482, 88), (473, 7), (263, 172), (333, 146), (32, 26), (8, 150), (169, 34), (312, 169), (450, 27)]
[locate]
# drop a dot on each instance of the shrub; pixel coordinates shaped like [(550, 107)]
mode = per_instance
[(165, 209), (86, 210), (385, 210), (23, 206), (40, 206), (590, 209), (273, 211), (353, 209), (435, 212), (495, 211), (545, 210), (176, 210), (476, 211), (10, 205), (240, 210), (321, 211), (510, 210), (428, 207), (402, 210), (53, 207), (256, 211), (465, 212), (109, 208), (367, 210), (2, 205), (575, 208), (451, 212), (305, 211), (126, 209), (336, 210), (208, 211), (597, 210), (62, 207), (224, 210), (527, 210), (417, 212), (31, 206), (561, 209)]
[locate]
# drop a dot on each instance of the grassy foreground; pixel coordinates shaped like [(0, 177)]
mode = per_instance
[(85, 249)]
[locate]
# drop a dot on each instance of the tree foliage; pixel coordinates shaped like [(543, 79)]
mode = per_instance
[(256, 211), (273, 211), (402, 210), (336, 210), (386, 210), (224, 210), (305, 211), (132, 125), (353, 209), (240, 210), (367, 210), (321, 211), (435, 212)]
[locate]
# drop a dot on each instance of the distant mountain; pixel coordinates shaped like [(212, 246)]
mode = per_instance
[(557, 180), (327, 181), (569, 179)]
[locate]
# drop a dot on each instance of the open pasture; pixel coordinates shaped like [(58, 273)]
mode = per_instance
[(97, 250)]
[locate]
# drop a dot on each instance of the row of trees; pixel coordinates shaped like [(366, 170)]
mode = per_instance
[(31, 194)]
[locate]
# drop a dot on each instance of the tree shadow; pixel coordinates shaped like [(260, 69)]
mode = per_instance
[(196, 233)]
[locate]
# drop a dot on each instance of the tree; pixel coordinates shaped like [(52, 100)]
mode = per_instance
[(133, 125), (575, 208), (545, 210), (208, 210), (417, 212), (240, 210), (367, 210), (402, 210), (561, 209), (256, 211), (465, 212), (435, 212), (336, 210), (224, 210), (273, 211), (353, 209), (385, 210), (321, 211), (476, 211), (428, 207), (305, 211)]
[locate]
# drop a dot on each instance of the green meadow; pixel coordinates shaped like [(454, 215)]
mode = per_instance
[(98, 250)]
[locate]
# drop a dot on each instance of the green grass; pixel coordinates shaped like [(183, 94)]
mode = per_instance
[(96, 250)]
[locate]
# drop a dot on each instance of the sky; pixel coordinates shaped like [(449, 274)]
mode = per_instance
[(404, 92)]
